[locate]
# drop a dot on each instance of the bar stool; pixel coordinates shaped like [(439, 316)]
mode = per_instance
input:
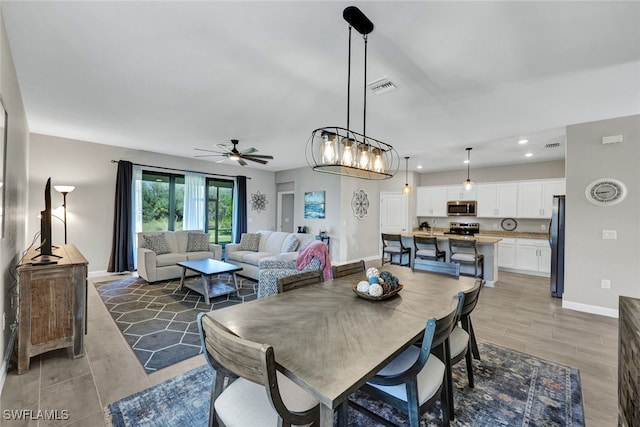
[(466, 252), (427, 248), (392, 245)]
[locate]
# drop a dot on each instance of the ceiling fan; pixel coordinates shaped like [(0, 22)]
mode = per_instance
[(233, 154)]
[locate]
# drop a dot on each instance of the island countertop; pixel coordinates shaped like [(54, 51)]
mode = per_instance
[(440, 235)]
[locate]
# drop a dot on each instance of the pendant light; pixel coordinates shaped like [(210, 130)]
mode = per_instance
[(468, 184), (341, 151), (407, 187)]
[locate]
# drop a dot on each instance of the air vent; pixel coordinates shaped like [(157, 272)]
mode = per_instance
[(382, 86), (552, 145)]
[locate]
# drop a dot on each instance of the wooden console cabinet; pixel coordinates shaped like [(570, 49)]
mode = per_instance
[(53, 304)]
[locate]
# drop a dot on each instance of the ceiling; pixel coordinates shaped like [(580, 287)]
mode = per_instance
[(170, 76)]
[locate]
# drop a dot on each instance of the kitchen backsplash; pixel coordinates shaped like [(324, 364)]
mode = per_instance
[(488, 225)]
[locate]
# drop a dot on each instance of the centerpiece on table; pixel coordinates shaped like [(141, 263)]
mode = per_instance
[(378, 286)]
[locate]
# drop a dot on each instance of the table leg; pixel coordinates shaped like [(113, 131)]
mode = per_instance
[(326, 416), (184, 272), (205, 285), (235, 284), (343, 413)]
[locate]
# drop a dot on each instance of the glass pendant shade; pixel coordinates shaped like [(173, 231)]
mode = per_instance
[(347, 152), (329, 149), (468, 184)]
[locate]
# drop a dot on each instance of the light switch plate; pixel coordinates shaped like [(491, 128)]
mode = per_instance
[(609, 234), (605, 284)]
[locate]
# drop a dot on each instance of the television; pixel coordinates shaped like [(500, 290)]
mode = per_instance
[(46, 255)]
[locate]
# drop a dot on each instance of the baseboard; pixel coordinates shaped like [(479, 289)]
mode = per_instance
[(366, 259), (102, 273), (7, 357), (527, 272), (593, 309)]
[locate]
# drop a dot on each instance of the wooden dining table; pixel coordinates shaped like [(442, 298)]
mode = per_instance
[(330, 341)]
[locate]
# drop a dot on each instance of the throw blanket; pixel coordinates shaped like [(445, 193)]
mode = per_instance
[(318, 249)]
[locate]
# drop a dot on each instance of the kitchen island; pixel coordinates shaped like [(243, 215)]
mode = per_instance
[(487, 246)]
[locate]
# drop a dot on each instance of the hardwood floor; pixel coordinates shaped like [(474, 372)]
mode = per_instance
[(518, 313)]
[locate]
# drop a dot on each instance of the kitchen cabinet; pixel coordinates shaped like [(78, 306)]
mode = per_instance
[(507, 253), (458, 192), (535, 198), (498, 200), (431, 201), (533, 255)]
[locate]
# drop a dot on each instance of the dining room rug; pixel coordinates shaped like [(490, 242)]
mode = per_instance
[(158, 320), (511, 389)]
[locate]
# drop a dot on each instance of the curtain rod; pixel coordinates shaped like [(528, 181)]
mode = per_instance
[(182, 170)]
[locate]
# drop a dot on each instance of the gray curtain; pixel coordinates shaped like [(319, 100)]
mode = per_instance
[(240, 224), (122, 245)]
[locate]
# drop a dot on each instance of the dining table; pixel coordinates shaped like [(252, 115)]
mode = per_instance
[(330, 341)]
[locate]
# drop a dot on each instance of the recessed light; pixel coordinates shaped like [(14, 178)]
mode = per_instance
[(419, 167), (528, 155), (523, 141)]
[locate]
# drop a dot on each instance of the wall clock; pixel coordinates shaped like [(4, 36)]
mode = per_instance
[(509, 224), (606, 192)]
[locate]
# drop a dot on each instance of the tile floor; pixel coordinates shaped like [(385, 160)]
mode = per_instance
[(517, 313)]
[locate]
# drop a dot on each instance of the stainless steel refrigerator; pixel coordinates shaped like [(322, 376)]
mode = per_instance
[(556, 240)]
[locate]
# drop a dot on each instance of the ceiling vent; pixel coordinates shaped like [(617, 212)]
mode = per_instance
[(381, 86), (552, 145)]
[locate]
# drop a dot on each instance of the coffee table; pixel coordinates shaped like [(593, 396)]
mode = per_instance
[(208, 286)]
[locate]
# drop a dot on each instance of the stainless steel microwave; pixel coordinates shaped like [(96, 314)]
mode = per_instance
[(461, 208)]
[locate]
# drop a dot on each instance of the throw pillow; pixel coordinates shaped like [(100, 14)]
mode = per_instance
[(290, 243), (249, 242), (197, 242), (157, 243)]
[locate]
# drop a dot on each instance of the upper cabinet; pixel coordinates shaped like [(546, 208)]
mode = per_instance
[(497, 200), (431, 201), (458, 192), (535, 198)]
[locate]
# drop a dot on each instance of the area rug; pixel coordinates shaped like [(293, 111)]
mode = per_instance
[(159, 320), (511, 389)]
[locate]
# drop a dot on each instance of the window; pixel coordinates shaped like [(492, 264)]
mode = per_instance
[(219, 210), (162, 201)]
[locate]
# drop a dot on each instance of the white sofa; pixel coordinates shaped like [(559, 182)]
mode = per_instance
[(153, 267), (270, 248)]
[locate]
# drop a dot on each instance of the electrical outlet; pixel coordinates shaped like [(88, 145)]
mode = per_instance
[(543, 227), (495, 225), (605, 284)]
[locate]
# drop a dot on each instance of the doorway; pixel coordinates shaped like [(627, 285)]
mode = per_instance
[(285, 211), (393, 212)]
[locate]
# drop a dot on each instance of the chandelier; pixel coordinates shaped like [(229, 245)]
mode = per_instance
[(342, 151)]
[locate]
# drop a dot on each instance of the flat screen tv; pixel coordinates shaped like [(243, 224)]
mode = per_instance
[(46, 255)]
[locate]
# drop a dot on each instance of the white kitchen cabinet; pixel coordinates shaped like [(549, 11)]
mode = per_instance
[(507, 253), (533, 255), (535, 198), (458, 192), (497, 200), (431, 201)]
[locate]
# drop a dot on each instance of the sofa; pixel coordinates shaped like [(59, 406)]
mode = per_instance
[(272, 246), (159, 251)]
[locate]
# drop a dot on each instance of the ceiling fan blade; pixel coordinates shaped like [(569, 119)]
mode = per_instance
[(260, 156), (210, 155), (249, 151), (222, 160), (224, 148), (208, 151), (253, 159), (242, 162)]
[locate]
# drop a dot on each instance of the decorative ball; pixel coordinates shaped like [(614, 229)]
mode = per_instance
[(381, 280), (373, 279), (375, 290), (363, 286), (372, 271), (386, 276), (386, 288)]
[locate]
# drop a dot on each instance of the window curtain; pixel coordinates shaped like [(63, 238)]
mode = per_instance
[(195, 207), (136, 214), (240, 208), (122, 244)]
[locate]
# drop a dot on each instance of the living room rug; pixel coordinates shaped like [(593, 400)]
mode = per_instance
[(511, 389), (159, 320)]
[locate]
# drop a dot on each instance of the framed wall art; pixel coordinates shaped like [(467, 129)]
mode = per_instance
[(360, 203), (314, 204)]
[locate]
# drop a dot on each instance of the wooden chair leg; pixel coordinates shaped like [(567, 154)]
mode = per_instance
[(469, 360), (472, 342), (413, 404)]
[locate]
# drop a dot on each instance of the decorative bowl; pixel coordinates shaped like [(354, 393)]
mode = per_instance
[(381, 297)]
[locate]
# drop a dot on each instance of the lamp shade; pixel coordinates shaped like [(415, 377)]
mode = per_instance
[(64, 188)]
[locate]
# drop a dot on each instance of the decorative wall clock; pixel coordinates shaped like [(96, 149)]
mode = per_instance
[(509, 224), (606, 192), (360, 204), (259, 202)]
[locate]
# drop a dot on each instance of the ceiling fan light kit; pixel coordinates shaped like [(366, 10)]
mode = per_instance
[(342, 151), (235, 154)]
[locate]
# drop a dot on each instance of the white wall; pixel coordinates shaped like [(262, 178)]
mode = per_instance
[(589, 258), (540, 170), (88, 166), (15, 187)]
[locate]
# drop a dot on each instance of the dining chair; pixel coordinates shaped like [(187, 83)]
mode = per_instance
[(392, 246), (466, 252), (348, 269), (300, 280), (427, 248), (463, 340), (256, 393), (417, 378)]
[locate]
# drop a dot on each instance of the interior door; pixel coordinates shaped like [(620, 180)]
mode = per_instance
[(285, 211), (393, 212)]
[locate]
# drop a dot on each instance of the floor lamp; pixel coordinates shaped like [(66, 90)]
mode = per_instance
[(64, 190)]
